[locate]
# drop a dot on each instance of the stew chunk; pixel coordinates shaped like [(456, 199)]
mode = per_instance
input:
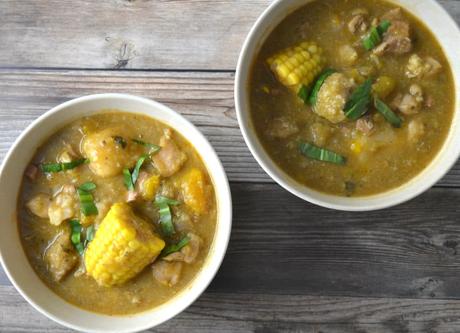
[(107, 156), (170, 158), (332, 97), (167, 273), (60, 256)]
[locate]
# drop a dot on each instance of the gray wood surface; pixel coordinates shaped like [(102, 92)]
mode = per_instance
[(291, 266)]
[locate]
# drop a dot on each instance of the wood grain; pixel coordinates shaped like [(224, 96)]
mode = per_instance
[(167, 34), (206, 99), (239, 313)]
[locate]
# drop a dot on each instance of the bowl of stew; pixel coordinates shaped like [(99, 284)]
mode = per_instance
[(116, 213), (351, 105)]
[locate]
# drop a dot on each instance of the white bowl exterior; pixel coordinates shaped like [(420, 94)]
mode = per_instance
[(447, 33), (12, 254)]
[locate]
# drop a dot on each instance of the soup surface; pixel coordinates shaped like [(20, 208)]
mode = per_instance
[(116, 213), (351, 97)]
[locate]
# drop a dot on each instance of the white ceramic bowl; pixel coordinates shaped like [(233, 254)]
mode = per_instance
[(447, 33), (12, 255)]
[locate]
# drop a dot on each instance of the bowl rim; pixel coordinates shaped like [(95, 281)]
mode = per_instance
[(224, 222), (257, 36)]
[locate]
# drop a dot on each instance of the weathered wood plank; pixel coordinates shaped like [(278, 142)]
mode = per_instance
[(204, 98), (198, 34), (188, 34), (238, 313), (282, 245)]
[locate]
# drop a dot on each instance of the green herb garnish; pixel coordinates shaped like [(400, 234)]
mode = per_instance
[(120, 141), (75, 236), (87, 205), (152, 148), (90, 231), (321, 154), (57, 167), (128, 180), (358, 103), (166, 223), (387, 113), (137, 168), (375, 35), (304, 93), (175, 247), (318, 84)]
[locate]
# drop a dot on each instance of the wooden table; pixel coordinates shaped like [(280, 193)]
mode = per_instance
[(291, 266)]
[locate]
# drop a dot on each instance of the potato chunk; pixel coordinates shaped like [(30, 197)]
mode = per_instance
[(39, 204), (63, 206), (332, 97), (60, 256), (193, 188), (107, 156)]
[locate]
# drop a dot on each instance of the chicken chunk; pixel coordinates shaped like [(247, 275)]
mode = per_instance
[(189, 252), (282, 128), (358, 23), (396, 40), (107, 157), (365, 125), (332, 97), (170, 158), (60, 256), (416, 129), (182, 221), (167, 273), (411, 102), (418, 67), (63, 206), (39, 204)]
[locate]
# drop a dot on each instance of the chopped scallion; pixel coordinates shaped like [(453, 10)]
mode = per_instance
[(321, 154), (89, 234), (375, 35), (57, 167), (75, 236), (87, 205), (317, 86), (152, 148), (137, 168), (358, 103), (166, 222), (128, 180), (175, 247), (304, 93), (387, 113)]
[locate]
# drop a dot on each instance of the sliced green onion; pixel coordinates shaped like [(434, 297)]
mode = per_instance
[(321, 154), (128, 180), (358, 103), (374, 37), (386, 112), (175, 247), (75, 236), (120, 141), (88, 186), (317, 86), (57, 167), (89, 234), (166, 223), (304, 93), (87, 205), (137, 168), (162, 199), (152, 148)]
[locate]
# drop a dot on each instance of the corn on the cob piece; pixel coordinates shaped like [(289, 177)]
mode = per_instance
[(297, 65), (123, 245)]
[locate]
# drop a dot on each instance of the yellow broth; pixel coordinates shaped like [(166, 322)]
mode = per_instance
[(393, 160), (142, 292)]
